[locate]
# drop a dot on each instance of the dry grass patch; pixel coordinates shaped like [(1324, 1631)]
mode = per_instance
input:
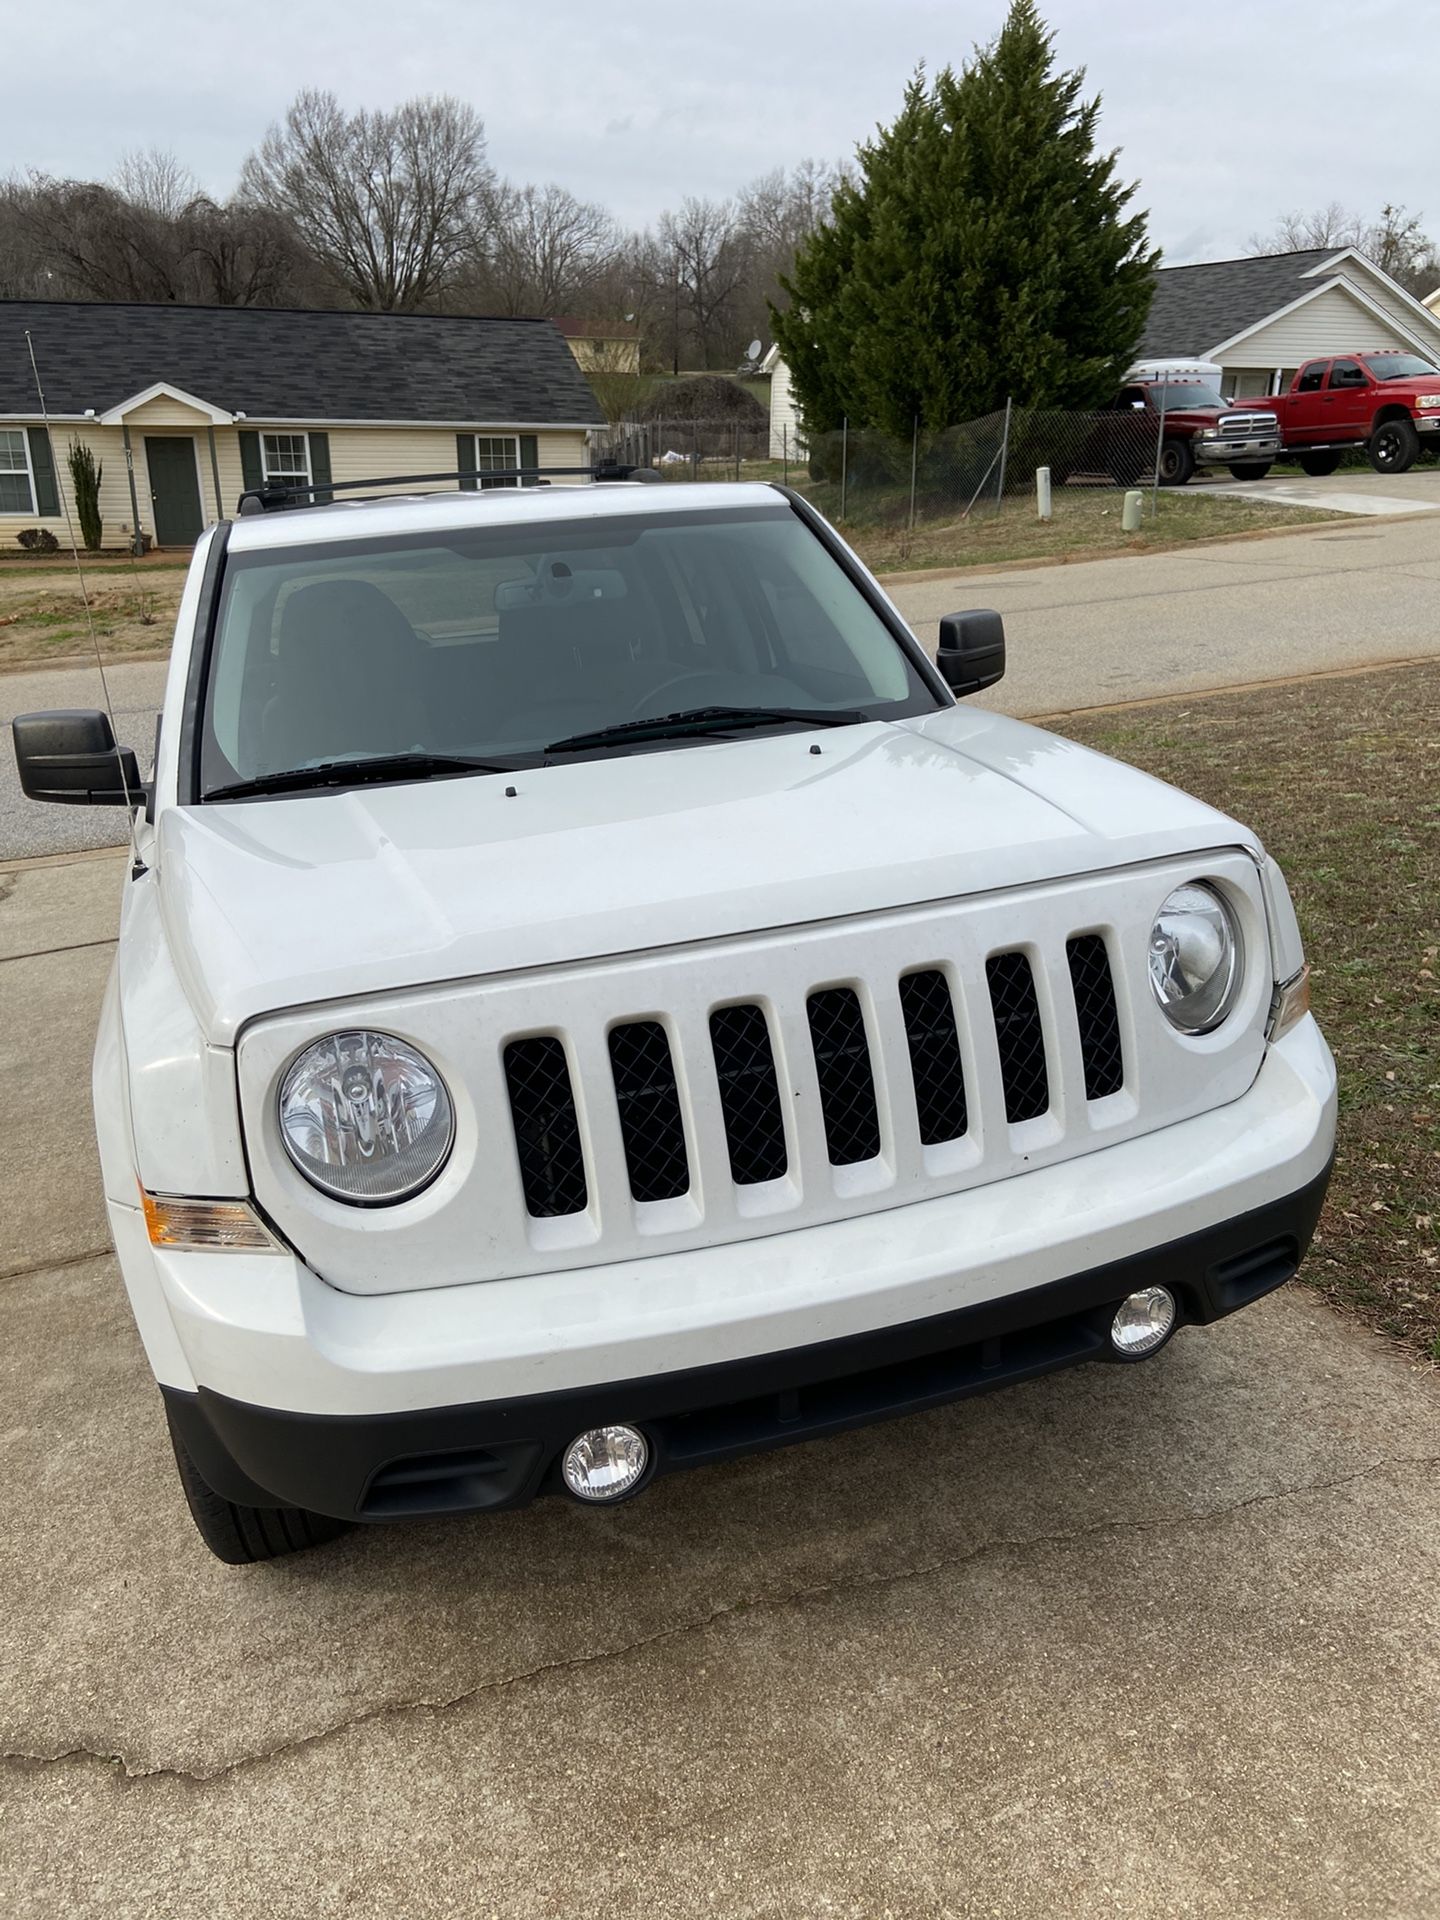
[(42, 613), (1341, 777)]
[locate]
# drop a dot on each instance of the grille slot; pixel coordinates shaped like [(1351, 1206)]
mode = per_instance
[(749, 1095), (1018, 1031), (1095, 1010), (649, 1104), (847, 1086), (547, 1131), (935, 1063)]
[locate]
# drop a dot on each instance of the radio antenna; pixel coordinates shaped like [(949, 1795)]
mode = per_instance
[(131, 800)]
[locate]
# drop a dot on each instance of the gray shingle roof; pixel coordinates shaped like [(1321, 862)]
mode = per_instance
[(1195, 308), (291, 364)]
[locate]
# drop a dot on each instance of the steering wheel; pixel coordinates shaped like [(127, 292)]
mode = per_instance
[(659, 700)]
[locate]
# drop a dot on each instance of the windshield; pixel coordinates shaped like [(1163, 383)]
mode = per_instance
[(1174, 399), (1397, 366), (500, 641)]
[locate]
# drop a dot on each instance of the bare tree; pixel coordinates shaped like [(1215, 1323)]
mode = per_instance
[(154, 181), (390, 202), (1395, 241), (704, 251), (547, 250)]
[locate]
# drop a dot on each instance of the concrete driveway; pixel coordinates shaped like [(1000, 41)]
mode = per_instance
[(1355, 490), (1136, 1642)]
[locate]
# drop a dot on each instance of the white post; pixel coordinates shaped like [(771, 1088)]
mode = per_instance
[(1134, 508), (1042, 492)]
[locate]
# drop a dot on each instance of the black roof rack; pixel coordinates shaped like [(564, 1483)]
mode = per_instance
[(279, 495)]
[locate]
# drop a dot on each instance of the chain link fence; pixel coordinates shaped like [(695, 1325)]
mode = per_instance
[(865, 477)]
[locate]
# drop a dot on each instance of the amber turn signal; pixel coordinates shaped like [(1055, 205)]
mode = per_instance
[(205, 1226)]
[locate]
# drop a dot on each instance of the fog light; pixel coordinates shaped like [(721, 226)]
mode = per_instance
[(1144, 1322), (605, 1463)]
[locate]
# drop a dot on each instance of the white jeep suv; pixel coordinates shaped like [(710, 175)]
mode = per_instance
[(589, 1002)]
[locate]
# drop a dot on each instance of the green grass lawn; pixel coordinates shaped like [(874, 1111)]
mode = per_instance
[(1341, 777)]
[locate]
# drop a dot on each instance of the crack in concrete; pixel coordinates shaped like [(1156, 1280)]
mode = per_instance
[(56, 1264), (48, 953), (17, 1759)]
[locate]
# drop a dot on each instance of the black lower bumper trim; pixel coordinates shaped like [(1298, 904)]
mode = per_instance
[(501, 1453)]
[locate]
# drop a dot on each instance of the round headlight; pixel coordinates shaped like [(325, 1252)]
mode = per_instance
[(1195, 958), (365, 1117)]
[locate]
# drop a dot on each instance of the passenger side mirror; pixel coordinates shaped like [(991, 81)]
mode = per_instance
[(972, 650), (71, 757)]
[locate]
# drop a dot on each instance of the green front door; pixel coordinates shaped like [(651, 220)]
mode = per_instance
[(174, 490)]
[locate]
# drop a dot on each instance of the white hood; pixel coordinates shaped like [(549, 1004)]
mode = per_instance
[(287, 901)]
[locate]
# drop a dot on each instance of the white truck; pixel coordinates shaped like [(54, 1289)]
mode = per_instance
[(591, 1001)]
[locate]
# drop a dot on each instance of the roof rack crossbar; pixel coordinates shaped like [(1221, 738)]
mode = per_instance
[(278, 495)]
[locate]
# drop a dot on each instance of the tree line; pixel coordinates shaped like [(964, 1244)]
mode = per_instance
[(401, 211)]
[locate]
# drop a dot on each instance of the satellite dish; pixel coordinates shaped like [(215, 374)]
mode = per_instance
[(752, 352)]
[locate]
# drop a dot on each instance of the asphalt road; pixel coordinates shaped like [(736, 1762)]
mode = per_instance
[(1084, 635), (1137, 1643)]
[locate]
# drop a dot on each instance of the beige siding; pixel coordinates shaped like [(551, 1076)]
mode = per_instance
[(1420, 327), (356, 453), (164, 412), (1333, 322), (108, 446)]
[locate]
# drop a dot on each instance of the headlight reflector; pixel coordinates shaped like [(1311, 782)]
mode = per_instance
[(1195, 958), (365, 1117)]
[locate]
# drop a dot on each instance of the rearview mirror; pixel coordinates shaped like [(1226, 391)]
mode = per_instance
[(71, 757), (972, 650)]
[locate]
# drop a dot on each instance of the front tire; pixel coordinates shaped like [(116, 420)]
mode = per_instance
[(1317, 465), (241, 1535), (1393, 446), (1177, 463), (1250, 470)]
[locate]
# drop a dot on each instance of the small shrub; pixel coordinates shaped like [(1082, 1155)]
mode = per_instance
[(85, 476), (38, 540)]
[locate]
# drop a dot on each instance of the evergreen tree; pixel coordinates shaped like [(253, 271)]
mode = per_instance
[(984, 252)]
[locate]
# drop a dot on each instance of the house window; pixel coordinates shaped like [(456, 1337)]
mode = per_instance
[(496, 452), (286, 456), (16, 493)]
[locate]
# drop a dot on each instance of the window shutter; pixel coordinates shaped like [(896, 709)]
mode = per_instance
[(465, 462), (529, 455), (252, 474), (42, 465), (320, 467)]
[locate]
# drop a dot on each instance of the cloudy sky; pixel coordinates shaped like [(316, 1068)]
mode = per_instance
[(1227, 114)]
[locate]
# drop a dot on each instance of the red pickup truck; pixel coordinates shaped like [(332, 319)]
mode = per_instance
[(1388, 403)]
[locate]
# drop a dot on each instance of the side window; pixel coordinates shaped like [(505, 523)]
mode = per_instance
[(1346, 373), (1311, 377)]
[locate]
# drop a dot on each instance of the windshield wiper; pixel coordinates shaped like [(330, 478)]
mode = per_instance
[(354, 773), (700, 720)]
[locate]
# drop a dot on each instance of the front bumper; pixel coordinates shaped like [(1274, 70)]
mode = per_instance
[(502, 1453), (1221, 453), (289, 1390)]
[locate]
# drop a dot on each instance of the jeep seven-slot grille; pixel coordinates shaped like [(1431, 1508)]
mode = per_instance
[(749, 1095), (547, 1132), (934, 1056), (1021, 1038), (754, 1097), (650, 1122), (1096, 1012)]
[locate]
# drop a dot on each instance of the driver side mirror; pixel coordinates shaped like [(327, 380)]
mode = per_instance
[(71, 757), (972, 650)]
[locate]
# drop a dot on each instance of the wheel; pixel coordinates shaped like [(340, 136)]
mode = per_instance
[(1393, 446), (1317, 465), (1177, 463), (239, 1535), (1250, 470)]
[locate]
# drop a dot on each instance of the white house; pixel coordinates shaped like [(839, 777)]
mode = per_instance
[(787, 436), (1260, 318)]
